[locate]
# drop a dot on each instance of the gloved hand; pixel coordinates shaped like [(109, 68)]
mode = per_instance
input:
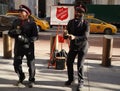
[(15, 31), (18, 31), (71, 37), (23, 39), (65, 34)]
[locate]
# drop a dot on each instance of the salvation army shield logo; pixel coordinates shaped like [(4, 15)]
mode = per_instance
[(62, 13)]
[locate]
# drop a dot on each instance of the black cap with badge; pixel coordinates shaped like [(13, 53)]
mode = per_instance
[(81, 8), (25, 8)]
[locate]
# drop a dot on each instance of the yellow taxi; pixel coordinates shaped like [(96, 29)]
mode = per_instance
[(41, 23), (99, 26)]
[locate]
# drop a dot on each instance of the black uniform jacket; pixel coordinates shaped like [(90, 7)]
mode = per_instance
[(28, 31), (81, 31)]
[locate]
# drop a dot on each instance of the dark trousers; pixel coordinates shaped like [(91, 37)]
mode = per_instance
[(80, 62), (30, 63)]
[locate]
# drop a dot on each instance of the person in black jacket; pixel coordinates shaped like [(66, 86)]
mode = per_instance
[(24, 31), (77, 31)]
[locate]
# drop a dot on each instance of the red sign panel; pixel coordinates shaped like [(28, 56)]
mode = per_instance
[(62, 13)]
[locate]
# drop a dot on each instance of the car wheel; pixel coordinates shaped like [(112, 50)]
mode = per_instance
[(108, 31)]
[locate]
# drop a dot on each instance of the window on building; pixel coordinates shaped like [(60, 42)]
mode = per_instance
[(84, 1), (4, 1)]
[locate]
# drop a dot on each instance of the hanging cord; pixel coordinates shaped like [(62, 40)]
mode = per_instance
[(67, 40), (63, 27)]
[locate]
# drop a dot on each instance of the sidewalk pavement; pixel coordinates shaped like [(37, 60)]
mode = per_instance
[(97, 77)]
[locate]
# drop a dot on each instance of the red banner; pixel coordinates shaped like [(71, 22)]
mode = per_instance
[(60, 39)]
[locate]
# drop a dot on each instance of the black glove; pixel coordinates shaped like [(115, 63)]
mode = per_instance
[(23, 39), (18, 31), (65, 34), (14, 32)]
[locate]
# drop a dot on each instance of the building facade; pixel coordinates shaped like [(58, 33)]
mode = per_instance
[(32, 4), (109, 2), (43, 6), (6, 5)]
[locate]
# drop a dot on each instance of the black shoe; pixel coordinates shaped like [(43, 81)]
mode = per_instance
[(22, 78), (19, 84), (68, 83), (80, 87), (31, 84)]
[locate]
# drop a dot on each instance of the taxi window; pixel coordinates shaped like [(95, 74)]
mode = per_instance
[(89, 20), (95, 21)]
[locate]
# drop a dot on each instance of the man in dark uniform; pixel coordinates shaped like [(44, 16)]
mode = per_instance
[(24, 31), (78, 32)]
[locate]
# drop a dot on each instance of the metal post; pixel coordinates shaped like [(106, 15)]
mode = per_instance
[(107, 50), (7, 45)]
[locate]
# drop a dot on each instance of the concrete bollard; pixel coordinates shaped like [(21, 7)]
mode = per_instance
[(107, 50), (7, 45)]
